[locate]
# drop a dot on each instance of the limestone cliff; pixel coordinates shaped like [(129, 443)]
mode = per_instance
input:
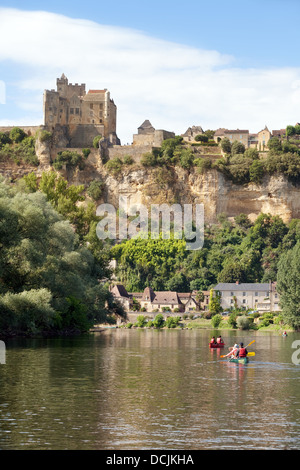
[(276, 195)]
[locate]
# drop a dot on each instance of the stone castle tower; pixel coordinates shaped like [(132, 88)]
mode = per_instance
[(76, 117)]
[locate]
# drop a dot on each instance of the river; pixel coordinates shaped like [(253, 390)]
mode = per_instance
[(148, 389)]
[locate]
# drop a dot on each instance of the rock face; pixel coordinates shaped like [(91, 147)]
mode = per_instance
[(276, 195), (157, 185)]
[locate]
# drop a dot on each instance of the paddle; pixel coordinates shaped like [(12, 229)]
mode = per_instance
[(249, 354)]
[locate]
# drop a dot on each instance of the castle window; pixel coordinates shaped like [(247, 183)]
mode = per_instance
[(91, 106), (71, 110), (77, 110)]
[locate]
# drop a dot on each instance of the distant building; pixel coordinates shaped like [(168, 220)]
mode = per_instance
[(148, 135), (261, 297), (191, 132), (157, 300), (120, 293), (80, 116), (258, 141)]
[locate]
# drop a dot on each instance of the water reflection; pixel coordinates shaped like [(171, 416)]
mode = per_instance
[(145, 389)]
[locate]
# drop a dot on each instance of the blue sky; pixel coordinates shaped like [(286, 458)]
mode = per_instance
[(216, 64)]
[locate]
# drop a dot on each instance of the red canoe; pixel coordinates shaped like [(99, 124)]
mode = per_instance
[(216, 345)]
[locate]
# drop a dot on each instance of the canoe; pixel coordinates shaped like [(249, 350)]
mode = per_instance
[(216, 345), (239, 360)]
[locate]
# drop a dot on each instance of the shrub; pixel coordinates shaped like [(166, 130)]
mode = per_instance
[(17, 135), (86, 152), (114, 166), (96, 141), (68, 158), (203, 164), (243, 322), (158, 321), (128, 160), (148, 159), (201, 138), (172, 322), (44, 136), (95, 190), (128, 325), (216, 320), (232, 320), (141, 321)]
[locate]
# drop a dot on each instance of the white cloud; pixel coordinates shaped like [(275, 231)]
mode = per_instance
[(173, 85)]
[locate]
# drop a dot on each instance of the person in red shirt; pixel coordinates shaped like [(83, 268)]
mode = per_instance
[(242, 352)]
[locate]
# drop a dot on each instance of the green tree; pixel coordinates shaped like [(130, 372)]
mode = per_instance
[(17, 134), (256, 171), (237, 148), (158, 321), (225, 145), (288, 285), (214, 305)]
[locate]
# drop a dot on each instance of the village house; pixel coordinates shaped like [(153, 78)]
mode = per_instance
[(160, 301), (121, 295), (258, 141), (261, 297)]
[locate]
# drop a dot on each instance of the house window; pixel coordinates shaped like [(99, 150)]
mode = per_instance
[(231, 301), (256, 294), (77, 110), (232, 293), (91, 105), (71, 110), (244, 293), (244, 301)]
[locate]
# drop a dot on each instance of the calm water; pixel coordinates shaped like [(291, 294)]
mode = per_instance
[(144, 389)]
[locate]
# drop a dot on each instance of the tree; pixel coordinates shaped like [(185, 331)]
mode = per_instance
[(201, 138), (288, 285), (214, 305), (290, 130), (256, 171), (274, 144), (226, 145), (237, 148), (17, 134)]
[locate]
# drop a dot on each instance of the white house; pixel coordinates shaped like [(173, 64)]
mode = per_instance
[(261, 297)]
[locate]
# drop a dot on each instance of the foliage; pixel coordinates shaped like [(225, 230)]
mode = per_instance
[(158, 321), (214, 305), (17, 135), (86, 152), (128, 160), (69, 158), (114, 166), (96, 141), (288, 285), (243, 322), (237, 148), (216, 320), (44, 136), (95, 190), (172, 322), (201, 138), (141, 321), (44, 271), (20, 150), (226, 145)]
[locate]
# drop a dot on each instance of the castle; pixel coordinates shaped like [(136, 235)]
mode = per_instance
[(75, 117)]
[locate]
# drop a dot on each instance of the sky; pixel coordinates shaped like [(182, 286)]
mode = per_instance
[(212, 64)]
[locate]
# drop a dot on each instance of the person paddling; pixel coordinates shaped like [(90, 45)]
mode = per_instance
[(242, 352), (233, 351)]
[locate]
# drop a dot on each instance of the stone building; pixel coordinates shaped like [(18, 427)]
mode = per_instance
[(262, 297), (148, 135), (76, 117)]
